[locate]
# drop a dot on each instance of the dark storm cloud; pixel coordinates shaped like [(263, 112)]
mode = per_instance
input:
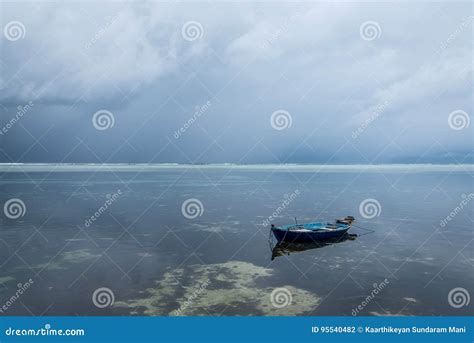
[(198, 83)]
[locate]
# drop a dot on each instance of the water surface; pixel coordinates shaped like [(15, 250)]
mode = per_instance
[(157, 261)]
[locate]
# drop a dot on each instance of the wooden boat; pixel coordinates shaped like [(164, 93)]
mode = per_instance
[(312, 232)]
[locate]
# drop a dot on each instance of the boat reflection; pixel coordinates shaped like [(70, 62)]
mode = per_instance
[(285, 248)]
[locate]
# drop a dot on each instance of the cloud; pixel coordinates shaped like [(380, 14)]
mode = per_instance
[(250, 60), (84, 49)]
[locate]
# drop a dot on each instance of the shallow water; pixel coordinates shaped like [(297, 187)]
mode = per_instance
[(158, 262)]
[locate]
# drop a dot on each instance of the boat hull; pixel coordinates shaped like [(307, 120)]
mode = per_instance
[(302, 237)]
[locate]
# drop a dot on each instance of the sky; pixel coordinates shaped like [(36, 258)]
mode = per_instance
[(236, 82)]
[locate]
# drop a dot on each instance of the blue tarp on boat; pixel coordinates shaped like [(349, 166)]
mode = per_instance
[(309, 232)]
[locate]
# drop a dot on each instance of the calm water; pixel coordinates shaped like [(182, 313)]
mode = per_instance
[(156, 261)]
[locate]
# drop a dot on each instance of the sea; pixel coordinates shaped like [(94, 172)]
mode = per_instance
[(195, 240)]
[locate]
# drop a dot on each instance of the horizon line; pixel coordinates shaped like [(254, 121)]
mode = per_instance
[(232, 163)]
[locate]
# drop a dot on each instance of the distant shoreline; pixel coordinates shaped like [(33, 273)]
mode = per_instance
[(124, 167)]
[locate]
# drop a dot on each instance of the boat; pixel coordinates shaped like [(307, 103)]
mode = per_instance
[(312, 232)]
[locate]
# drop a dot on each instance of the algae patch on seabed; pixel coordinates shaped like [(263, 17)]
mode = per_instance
[(215, 289), (215, 227), (78, 256), (388, 314), (6, 279), (74, 256)]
